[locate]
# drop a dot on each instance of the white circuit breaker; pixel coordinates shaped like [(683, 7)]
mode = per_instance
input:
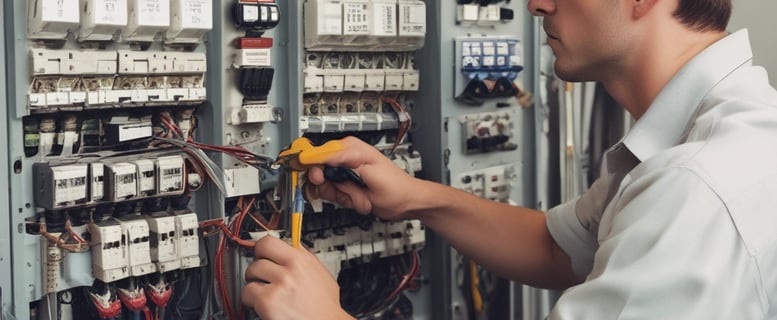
[(186, 226), (121, 181), (108, 247), (52, 19), (191, 19), (147, 18), (169, 175), (96, 181), (164, 243), (102, 19), (138, 248), (60, 186), (146, 176)]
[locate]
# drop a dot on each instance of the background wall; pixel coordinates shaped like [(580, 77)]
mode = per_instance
[(758, 17)]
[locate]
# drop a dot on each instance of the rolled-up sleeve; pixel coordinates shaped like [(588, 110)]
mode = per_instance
[(572, 237)]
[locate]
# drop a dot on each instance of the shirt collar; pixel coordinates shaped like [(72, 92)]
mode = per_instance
[(669, 116)]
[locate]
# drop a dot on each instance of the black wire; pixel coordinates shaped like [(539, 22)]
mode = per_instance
[(207, 286)]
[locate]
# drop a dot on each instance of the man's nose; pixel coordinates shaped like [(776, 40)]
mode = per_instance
[(542, 8)]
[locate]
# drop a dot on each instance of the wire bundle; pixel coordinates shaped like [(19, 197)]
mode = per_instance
[(365, 290)]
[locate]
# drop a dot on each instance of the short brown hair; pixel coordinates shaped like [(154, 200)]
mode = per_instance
[(704, 15)]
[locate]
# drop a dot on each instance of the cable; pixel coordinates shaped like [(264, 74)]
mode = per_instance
[(220, 275), (407, 278), (233, 234), (61, 241), (404, 119)]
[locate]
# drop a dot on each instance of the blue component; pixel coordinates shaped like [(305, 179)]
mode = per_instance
[(491, 58), (299, 202)]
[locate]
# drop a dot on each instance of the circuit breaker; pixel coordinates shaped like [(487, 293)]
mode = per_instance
[(139, 133)]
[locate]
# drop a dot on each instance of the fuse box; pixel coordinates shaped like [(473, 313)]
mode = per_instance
[(134, 129)]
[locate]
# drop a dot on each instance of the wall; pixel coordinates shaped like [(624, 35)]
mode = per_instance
[(758, 17)]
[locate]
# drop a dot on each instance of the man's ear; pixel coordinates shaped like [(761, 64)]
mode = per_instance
[(642, 7)]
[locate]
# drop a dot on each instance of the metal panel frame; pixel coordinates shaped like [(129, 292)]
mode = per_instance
[(25, 248), (6, 260)]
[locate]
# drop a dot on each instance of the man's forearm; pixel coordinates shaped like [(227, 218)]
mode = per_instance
[(508, 240)]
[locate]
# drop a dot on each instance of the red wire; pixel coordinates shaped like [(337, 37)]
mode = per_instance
[(147, 313), (234, 235), (407, 278), (170, 125), (220, 278)]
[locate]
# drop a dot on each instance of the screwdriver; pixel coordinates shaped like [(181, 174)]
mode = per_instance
[(343, 174)]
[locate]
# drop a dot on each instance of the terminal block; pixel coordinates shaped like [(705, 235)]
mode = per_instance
[(138, 248), (60, 187), (186, 226), (108, 246)]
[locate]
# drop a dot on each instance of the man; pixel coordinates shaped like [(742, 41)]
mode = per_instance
[(681, 224)]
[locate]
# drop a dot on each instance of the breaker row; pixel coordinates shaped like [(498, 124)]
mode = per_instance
[(69, 185), (173, 21), (365, 25), (357, 72), (128, 246), (95, 78)]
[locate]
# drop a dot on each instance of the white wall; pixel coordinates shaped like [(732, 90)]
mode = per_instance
[(759, 17)]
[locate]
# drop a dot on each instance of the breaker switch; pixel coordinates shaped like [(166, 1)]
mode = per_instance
[(255, 15), (255, 83)]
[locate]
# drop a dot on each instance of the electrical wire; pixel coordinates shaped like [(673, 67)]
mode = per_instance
[(363, 288), (220, 275), (231, 232), (404, 119), (61, 241), (404, 284)]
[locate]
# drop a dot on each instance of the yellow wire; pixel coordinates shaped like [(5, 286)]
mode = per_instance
[(296, 229), (296, 217), (477, 299)]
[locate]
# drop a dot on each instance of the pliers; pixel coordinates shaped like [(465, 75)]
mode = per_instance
[(288, 158)]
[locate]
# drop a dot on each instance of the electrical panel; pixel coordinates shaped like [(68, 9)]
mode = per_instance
[(137, 130)]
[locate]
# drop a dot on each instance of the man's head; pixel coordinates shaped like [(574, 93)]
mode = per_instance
[(596, 39)]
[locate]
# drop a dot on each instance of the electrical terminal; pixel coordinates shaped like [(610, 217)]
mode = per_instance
[(253, 57), (52, 19), (241, 181), (96, 181), (146, 177), (377, 25), (59, 186), (122, 128), (186, 226), (256, 113), (101, 20), (108, 245), (170, 173), (256, 16), (138, 248), (493, 183), (147, 20), (191, 19), (121, 181), (164, 247), (488, 132)]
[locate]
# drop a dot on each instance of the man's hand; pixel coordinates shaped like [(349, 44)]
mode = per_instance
[(288, 283), (389, 192)]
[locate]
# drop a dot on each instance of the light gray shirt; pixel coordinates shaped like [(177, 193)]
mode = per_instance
[(682, 222)]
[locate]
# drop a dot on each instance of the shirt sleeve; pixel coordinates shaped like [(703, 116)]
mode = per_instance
[(571, 236), (669, 250)]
